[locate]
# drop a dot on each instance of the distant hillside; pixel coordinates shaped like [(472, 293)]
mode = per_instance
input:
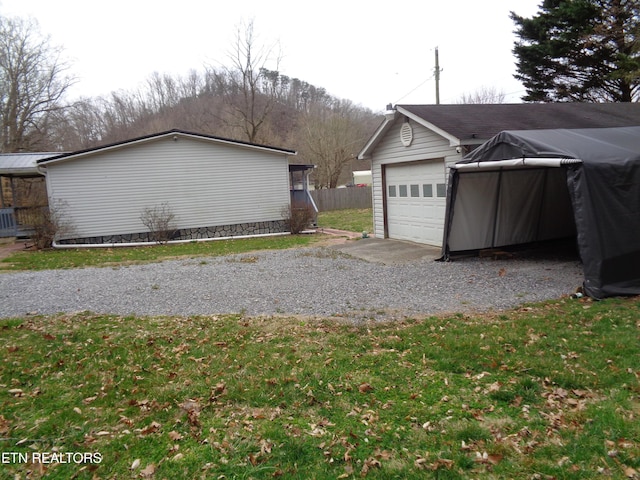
[(279, 111)]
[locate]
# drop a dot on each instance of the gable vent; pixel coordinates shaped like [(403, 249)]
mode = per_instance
[(406, 134)]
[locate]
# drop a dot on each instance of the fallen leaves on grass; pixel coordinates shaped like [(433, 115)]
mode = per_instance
[(149, 471), (4, 426), (153, 427), (365, 388), (295, 397)]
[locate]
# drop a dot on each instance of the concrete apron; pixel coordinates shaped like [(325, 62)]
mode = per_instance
[(387, 251)]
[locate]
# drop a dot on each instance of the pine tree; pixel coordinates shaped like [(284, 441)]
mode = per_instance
[(580, 50)]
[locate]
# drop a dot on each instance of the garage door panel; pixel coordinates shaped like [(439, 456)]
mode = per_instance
[(415, 202)]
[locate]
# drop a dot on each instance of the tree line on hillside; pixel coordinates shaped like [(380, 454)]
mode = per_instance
[(572, 50), (246, 101)]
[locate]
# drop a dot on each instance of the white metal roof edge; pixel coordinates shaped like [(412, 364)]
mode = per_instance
[(384, 127)]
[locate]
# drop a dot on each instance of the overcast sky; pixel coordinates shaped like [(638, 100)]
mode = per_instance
[(372, 53)]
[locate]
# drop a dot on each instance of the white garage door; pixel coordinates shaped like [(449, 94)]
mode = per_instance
[(416, 201)]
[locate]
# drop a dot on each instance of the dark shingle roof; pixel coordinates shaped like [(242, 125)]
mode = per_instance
[(483, 121)]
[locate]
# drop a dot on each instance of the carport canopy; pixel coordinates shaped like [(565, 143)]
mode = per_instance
[(535, 185)]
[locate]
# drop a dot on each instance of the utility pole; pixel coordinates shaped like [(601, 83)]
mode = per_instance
[(437, 75)]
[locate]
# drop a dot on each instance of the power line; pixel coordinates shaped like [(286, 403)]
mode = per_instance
[(413, 90)]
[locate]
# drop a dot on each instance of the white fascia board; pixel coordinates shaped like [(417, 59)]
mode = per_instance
[(453, 141), (249, 146), (517, 163), (377, 136)]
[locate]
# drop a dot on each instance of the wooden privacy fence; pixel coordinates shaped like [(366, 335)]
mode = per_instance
[(341, 198)]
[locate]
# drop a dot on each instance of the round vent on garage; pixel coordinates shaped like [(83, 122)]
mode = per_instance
[(406, 134)]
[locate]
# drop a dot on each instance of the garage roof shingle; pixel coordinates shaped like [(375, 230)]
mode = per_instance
[(483, 121)]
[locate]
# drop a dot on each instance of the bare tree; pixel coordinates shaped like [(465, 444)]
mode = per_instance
[(79, 126), (246, 86), (332, 139), (32, 83), (483, 94)]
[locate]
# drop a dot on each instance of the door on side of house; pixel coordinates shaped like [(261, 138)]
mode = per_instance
[(415, 201)]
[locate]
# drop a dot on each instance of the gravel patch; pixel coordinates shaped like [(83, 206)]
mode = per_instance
[(318, 281)]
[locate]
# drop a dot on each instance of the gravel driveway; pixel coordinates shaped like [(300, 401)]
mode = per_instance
[(315, 281)]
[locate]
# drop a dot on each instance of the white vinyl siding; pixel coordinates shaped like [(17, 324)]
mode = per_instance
[(205, 183), (426, 145)]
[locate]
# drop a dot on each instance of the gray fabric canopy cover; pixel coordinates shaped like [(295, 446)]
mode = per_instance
[(597, 200)]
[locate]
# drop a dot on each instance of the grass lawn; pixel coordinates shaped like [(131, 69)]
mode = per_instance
[(85, 257), (548, 391), (353, 220), (357, 220)]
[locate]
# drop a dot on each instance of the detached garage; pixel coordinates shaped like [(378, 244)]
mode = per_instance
[(537, 185), (415, 147), (409, 160), (215, 187)]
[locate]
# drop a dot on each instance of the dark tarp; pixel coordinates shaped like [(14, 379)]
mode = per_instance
[(596, 200)]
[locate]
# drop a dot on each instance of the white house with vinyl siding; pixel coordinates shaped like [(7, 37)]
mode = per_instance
[(215, 187)]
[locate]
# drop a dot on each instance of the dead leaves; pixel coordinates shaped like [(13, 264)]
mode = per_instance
[(319, 429), (365, 388), (621, 448), (153, 427), (265, 447), (369, 463), (630, 472), (192, 408), (575, 399), (424, 463), (4, 426), (488, 459), (219, 390), (149, 471)]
